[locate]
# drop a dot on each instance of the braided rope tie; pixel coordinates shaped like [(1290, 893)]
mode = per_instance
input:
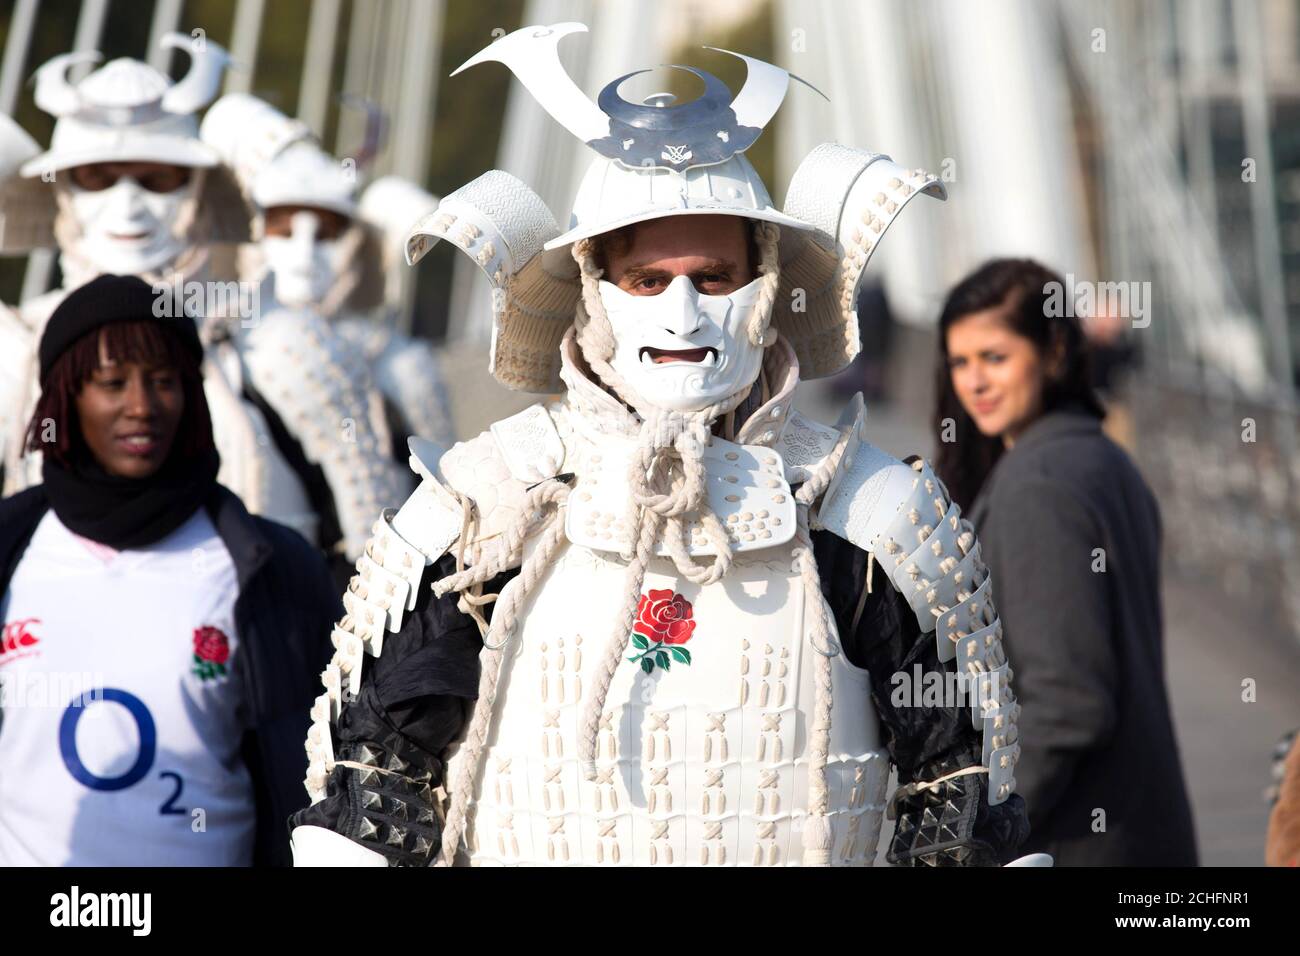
[(542, 507), (667, 484), (766, 236), (617, 642)]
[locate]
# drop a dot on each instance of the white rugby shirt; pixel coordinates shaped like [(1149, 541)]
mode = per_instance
[(122, 718)]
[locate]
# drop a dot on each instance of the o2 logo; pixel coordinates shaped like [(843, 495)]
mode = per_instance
[(148, 731)]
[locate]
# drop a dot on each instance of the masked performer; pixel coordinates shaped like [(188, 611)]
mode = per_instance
[(700, 599), (322, 250)]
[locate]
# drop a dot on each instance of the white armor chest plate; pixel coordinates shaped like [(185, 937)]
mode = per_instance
[(702, 753)]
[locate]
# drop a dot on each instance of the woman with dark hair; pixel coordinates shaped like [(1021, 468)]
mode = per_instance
[(1071, 534), (160, 644)]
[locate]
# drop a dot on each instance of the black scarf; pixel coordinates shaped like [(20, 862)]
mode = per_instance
[(129, 512)]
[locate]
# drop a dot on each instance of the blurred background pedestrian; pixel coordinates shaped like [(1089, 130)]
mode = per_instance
[(1071, 534), (1283, 846)]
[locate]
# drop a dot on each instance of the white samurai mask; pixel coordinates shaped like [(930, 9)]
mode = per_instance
[(681, 349), (114, 214)]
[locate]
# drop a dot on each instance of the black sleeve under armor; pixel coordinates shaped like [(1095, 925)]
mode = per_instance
[(413, 704), (954, 824)]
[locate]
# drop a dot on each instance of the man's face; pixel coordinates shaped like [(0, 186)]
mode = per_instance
[(679, 293), (127, 212)]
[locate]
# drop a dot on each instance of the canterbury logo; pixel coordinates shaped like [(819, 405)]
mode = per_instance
[(18, 635)]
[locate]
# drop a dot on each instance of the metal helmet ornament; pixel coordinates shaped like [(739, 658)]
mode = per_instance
[(655, 160)]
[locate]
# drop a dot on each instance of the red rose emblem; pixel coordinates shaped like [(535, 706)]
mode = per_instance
[(211, 645), (664, 617), (664, 622), (211, 651)]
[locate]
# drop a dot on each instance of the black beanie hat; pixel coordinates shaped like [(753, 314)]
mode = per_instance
[(109, 299)]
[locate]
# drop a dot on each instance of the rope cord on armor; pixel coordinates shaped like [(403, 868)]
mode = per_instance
[(862, 597), (542, 506), (472, 598), (357, 765), (934, 784)]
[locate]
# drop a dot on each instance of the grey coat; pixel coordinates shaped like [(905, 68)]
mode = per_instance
[(1086, 646)]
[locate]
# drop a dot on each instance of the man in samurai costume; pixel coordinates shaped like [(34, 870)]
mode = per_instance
[(699, 598), (324, 247)]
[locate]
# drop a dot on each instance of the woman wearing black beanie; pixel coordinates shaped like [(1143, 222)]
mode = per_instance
[(160, 645)]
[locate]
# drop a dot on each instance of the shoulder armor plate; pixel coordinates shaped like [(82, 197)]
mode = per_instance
[(867, 489), (483, 470), (530, 445), (932, 556), (805, 445), (903, 515)]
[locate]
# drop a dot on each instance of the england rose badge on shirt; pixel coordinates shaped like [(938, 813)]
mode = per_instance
[(211, 653)]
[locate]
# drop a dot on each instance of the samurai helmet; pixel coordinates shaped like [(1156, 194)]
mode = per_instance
[(129, 112), (126, 111), (278, 162), (654, 160)]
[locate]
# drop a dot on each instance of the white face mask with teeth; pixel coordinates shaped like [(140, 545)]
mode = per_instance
[(304, 267), (682, 350), (128, 230)]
